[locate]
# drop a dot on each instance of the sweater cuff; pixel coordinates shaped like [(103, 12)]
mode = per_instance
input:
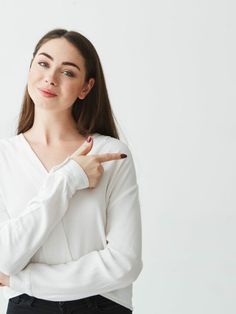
[(21, 281), (75, 174)]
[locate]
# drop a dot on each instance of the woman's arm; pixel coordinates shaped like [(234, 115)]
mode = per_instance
[(114, 267), (21, 237)]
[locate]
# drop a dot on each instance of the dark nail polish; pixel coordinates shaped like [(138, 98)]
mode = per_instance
[(89, 139), (123, 155)]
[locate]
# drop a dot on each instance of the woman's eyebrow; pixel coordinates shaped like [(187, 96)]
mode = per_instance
[(63, 63)]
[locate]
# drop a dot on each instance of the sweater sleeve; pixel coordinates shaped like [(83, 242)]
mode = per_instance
[(114, 267), (21, 237)]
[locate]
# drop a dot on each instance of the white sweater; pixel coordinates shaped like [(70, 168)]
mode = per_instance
[(59, 239)]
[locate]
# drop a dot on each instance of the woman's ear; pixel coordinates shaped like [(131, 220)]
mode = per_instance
[(86, 89)]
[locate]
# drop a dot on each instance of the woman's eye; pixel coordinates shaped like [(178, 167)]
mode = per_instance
[(69, 73), (43, 64)]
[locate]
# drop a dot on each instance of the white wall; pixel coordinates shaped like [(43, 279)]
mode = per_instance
[(170, 70)]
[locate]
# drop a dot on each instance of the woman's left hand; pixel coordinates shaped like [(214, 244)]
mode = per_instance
[(4, 280)]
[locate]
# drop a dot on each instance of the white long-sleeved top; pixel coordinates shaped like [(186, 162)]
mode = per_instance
[(59, 239)]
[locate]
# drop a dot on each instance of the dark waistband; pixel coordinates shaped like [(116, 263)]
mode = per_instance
[(89, 301), (92, 302)]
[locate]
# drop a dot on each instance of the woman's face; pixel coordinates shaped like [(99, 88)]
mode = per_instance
[(59, 68)]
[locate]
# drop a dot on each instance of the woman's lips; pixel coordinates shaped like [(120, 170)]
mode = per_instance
[(47, 93)]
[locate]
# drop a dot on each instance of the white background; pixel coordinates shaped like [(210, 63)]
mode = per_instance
[(170, 72)]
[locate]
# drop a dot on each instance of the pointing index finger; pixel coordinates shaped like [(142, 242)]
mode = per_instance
[(110, 156)]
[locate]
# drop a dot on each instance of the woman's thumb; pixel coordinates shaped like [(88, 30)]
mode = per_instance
[(85, 148)]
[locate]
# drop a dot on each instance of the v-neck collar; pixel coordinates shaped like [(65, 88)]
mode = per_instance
[(35, 157)]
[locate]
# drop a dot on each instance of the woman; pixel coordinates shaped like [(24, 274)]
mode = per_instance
[(70, 225)]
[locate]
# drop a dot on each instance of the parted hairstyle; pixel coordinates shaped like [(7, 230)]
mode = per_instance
[(92, 114)]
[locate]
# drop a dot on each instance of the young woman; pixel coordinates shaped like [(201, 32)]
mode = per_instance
[(70, 223)]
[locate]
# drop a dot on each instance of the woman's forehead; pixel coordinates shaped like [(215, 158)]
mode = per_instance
[(62, 49)]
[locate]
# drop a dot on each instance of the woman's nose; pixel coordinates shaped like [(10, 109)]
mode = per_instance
[(51, 79)]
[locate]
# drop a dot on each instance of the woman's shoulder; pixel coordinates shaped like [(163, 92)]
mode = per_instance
[(9, 142), (10, 148), (109, 143)]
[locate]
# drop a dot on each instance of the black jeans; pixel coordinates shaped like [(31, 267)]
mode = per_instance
[(97, 304)]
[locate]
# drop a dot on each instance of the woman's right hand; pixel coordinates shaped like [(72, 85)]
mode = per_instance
[(92, 164)]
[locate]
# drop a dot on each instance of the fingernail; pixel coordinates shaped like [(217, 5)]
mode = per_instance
[(123, 155), (89, 139)]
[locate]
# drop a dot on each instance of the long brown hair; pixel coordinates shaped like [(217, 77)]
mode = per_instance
[(92, 114)]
